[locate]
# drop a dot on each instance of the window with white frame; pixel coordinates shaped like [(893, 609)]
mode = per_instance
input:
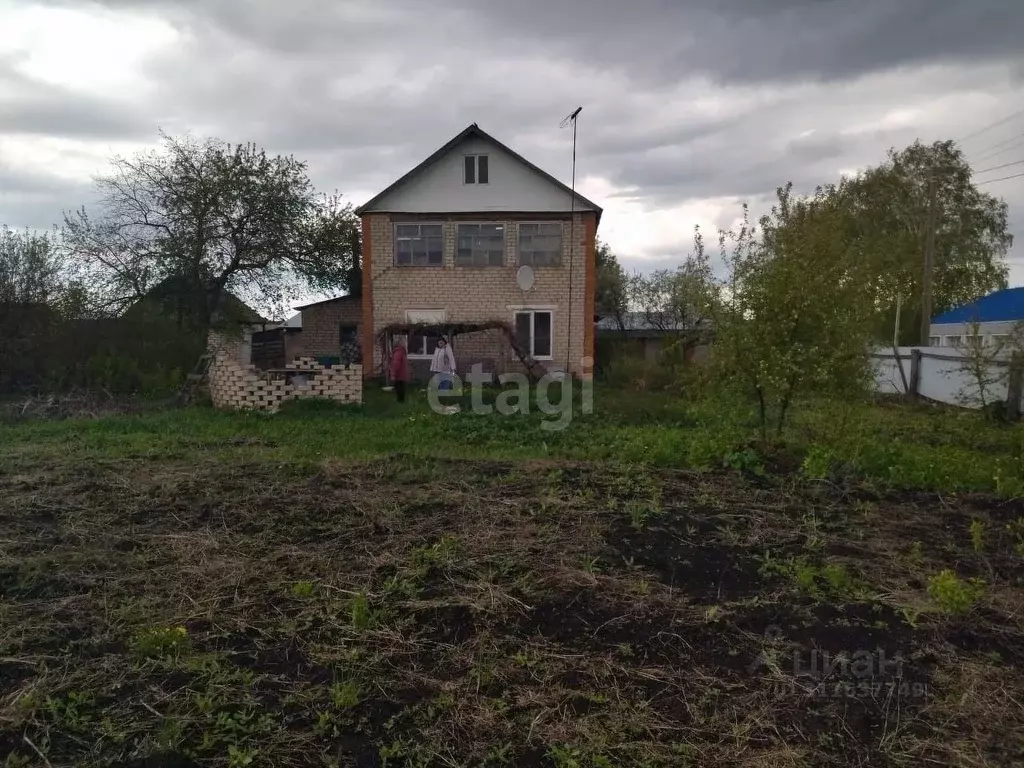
[(480, 245), (1000, 339), (535, 332), (952, 341), (419, 245), (934, 341), (476, 169), (422, 344), (540, 244)]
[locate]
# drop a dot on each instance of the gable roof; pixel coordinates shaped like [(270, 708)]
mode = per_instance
[(173, 289), (1002, 306), (346, 297), (475, 131)]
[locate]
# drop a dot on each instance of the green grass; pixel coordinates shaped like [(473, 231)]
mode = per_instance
[(383, 585), (923, 447)]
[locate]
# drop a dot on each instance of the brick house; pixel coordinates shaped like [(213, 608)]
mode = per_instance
[(331, 328), (447, 243)]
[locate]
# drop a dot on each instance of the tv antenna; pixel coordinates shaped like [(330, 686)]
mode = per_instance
[(571, 118)]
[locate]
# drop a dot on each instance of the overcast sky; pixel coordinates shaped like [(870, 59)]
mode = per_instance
[(690, 106)]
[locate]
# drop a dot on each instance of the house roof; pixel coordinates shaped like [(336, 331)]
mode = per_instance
[(231, 307), (346, 297), (1002, 306), (641, 322), (475, 131)]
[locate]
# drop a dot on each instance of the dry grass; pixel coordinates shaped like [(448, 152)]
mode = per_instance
[(404, 612)]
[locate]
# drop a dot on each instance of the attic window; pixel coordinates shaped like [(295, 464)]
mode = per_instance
[(476, 169)]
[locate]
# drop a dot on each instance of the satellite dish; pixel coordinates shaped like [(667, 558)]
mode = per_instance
[(524, 278)]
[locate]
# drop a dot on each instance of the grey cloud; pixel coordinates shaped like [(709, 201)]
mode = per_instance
[(364, 90), (656, 40), (34, 107), (760, 40), (36, 201)]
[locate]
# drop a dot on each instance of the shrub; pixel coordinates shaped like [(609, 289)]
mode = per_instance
[(160, 641), (345, 695), (1016, 530), (977, 536), (953, 594), (302, 589), (746, 460), (818, 463)]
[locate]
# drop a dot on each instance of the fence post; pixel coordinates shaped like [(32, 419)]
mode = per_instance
[(915, 373), (1014, 386)]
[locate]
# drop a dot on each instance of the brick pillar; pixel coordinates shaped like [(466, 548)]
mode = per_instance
[(368, 331)]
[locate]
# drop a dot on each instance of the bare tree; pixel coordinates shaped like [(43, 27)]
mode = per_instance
[(679, 302), (213, 218), (986, 364)]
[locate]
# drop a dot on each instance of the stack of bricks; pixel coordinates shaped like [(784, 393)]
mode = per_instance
[(237, 386)]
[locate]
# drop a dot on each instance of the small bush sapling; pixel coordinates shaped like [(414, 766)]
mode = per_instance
[(345, 695), (303, 589), (954, 595), (160, 641), (818, 463), (1016, 530), (977, 536)]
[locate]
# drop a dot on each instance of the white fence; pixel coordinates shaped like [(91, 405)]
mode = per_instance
[(938, 373)]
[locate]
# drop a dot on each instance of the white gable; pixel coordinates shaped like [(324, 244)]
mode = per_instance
[(512, 186)]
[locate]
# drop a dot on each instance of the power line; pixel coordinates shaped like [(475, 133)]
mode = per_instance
[(1004, 178), (997, 167), (989, 154), (572, 118), (990, 126)]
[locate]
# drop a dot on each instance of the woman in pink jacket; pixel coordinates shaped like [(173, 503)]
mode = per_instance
[(398, 370)]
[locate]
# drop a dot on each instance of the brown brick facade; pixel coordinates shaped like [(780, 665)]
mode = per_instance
[(321, 325), (477, 294)]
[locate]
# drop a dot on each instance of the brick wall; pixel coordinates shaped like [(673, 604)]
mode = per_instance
[(294, 345), (321, 324), (241, 387), (477, 294)]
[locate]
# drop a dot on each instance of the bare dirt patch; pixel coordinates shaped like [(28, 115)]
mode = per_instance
[(410, 613)]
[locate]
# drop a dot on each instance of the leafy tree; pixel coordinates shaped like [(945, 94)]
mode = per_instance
[(889, 206), (37, 294), (213, 218), (679, 301), (797, 305), (31, 271), (611, 281)]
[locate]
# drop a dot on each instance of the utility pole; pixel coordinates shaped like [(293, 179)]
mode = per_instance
[(896, 329), (929, 264)]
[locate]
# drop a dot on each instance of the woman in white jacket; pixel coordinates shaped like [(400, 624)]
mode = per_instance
[(443, 363)]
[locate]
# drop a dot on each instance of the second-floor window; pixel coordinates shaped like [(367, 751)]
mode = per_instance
[(419, 245), (476, 169), (480, 245), (540, 245)]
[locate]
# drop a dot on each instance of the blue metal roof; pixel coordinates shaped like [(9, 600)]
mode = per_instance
[(1005, 305)]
